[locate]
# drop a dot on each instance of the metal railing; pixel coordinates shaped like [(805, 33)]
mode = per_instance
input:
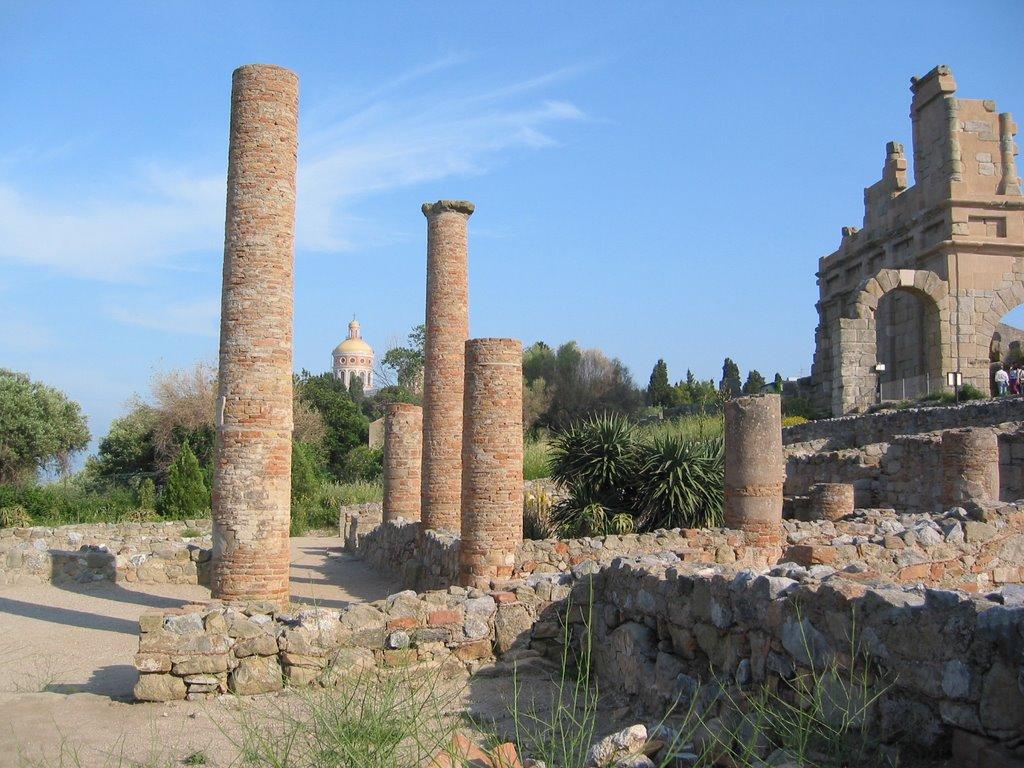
[(910, 388)]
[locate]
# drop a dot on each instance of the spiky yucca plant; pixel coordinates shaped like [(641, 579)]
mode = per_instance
[(680, 483), (595, 461)]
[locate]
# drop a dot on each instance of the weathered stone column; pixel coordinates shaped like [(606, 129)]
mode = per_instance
[(252, 480), (444, 360), (754, 466), (831, 501), (403, 444), (970, 466), (492, 461)]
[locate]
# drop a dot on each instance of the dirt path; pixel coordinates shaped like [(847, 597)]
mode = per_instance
[(66, 664)]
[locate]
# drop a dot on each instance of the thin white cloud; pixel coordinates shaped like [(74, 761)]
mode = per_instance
[(198, 318), (397, 136), (17, 334)]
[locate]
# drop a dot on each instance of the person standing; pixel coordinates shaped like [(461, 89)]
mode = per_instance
[(1014, 379), (1002, 379)]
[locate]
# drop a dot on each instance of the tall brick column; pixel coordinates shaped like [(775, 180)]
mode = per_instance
[(444, 360), (252, 480), (403, 444), (492, 461), (754, 466), (970, 466)]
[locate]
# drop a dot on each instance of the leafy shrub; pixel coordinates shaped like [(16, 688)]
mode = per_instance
[(67, 503), (14, 516), (363, 463), (620, 478), (147, 494), (967, 392), (186, 494)]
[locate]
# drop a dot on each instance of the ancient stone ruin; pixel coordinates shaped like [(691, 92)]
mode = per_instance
[(252, 480), (403, 457), (447, 324), (923, 285), (892, 538)]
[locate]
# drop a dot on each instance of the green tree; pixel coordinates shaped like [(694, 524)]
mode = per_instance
[(40, 427), (755, 383), (345, 425), (306, 482), (730, 385), (363, 463), (659, 392), (407, 362), (777, 383), (128, 451), (186, 494), (147, 494)]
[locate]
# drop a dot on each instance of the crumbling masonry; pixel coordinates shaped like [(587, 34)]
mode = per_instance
[(447, 322), (923, 286), (754, 466), (252, 480)]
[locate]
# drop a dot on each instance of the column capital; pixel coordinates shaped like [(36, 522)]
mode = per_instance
[(441, 206)]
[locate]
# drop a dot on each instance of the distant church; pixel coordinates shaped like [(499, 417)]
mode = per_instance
[(353, 358)]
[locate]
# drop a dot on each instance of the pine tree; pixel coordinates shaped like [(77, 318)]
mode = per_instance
[(755, 383), (147, 494), (186, 494), (730, 385), (659, 393), (778, 383)]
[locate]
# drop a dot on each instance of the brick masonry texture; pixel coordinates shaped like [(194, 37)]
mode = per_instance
[(831, 501), (252, 481), (492, 461), (970, 466), (144, 553), (447, 321), (754, 466), (403, 456)]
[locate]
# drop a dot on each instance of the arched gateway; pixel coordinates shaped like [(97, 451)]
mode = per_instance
[(922, 287)]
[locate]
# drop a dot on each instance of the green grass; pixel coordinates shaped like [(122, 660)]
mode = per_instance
[(66, 504), (694, 427), (356, 492), (535, 458)]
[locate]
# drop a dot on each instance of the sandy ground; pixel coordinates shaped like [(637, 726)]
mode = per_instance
[(66, 669)]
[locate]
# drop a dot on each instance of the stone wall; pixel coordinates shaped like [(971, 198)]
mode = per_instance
[(146, 553), (892, 458), (201, 651), (950, 549), (866, 429), (940, 661)]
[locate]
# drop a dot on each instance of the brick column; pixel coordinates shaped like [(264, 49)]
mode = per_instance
[(403, 444), (754, 466), (831, 501), (444, 360), (970, 466), (252, 480), (492, 461)]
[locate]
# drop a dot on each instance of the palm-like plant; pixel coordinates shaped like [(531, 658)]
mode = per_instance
[(595, 460), (680, 483)]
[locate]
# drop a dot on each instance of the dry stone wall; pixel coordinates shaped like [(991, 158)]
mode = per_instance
[(893, 459), (203, 650), (144, 553), (940, 661)]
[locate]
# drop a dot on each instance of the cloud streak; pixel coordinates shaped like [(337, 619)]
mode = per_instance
[(398, 136)]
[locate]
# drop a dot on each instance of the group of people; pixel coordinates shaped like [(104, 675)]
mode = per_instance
[(1009, 379)]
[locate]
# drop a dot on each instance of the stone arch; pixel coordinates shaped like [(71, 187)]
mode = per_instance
[(921, 281), (988, 312), (856, 352)]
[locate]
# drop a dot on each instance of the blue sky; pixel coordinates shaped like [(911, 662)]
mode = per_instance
[(653, 179)]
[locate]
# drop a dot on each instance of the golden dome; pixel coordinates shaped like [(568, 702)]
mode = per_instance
[(354, 344)]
